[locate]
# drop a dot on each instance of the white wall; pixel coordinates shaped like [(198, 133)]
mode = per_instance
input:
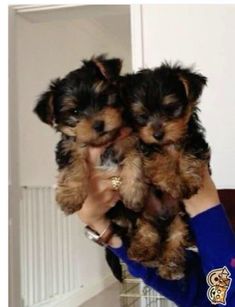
[(204, 35)]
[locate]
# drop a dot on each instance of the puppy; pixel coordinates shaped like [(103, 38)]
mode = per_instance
[(86, 109), (163, 103)]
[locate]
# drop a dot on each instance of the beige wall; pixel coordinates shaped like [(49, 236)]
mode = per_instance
[(50, 49), (202, 35)]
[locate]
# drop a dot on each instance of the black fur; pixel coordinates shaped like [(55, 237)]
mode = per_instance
[(63, 151), (119, 213), (148, 87), (114, 264), (78, 84)]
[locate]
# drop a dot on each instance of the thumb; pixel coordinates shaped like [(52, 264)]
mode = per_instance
[(94, 154)]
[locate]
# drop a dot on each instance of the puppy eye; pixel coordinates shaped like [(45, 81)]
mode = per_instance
[(142, 119), (75, 111), (173, 110)]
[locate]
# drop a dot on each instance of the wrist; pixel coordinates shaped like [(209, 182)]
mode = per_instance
[(195, 207), (207, 197), (100, 225)]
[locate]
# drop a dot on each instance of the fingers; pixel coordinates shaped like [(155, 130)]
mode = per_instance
[(101, 188), (124, 132), (206, 172), (104, 174), (108, 196), (94, 154)]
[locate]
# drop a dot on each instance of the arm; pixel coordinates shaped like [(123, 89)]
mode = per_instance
[(216, 242), (186, 292), (101, 197)]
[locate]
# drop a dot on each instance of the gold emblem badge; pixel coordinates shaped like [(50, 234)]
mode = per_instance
[(219, 282)]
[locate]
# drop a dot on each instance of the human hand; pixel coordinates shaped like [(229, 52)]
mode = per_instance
[(206, 197), (101, 196)]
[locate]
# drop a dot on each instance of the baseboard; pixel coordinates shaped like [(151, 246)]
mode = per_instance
[(80, 296)]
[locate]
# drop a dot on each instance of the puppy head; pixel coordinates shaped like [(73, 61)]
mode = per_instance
[(162, 101), (85, 103)]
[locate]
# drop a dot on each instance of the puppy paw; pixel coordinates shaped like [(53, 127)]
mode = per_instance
[(145, 243), (192, 171), (146, 255), (171, 271), (189, 190), (182, 190), (70, 200), (134, 194), (171, 264)]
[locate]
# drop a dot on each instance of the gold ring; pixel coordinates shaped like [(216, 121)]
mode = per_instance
[(116, 182)]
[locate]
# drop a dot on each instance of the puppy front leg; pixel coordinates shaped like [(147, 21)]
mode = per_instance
[(162, 172), (134, 188), (72, 185), (192, 172), (144, 245), (180, 177), (173, 256)]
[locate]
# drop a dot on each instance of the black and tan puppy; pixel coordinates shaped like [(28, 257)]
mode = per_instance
[(86, 109), (164, 107)]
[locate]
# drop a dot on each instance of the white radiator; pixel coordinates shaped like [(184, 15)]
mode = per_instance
[(46, 247), (59, 267)]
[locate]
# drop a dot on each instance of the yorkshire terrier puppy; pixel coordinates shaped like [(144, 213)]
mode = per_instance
[(164, 107), (164, 103), (86, 109)]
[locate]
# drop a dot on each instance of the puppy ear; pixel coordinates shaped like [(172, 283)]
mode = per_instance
[(110, 69), (45, 104), (193, 83)]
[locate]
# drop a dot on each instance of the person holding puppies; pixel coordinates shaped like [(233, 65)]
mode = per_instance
[(210, 273)]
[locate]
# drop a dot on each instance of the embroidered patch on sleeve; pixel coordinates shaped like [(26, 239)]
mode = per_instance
[(219, 282)]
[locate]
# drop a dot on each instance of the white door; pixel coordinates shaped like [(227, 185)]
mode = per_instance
[(202, 35)]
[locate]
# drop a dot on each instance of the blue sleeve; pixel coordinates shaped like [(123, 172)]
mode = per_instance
[(216, 244), (209, 277), (187, 292)]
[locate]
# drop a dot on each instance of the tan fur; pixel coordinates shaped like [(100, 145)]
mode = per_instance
[(69, 104), (72, 183), (175, 130), (175, 172), (185, 84), (144, 245), (172, 259), (169, 99), (146, 134), (99, 87), (87, 135), (133, 189), (138, 108), (112, 118), (177, 175), (101, 67)]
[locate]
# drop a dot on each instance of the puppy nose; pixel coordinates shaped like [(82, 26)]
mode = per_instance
[(158, 135), (98, 126)]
